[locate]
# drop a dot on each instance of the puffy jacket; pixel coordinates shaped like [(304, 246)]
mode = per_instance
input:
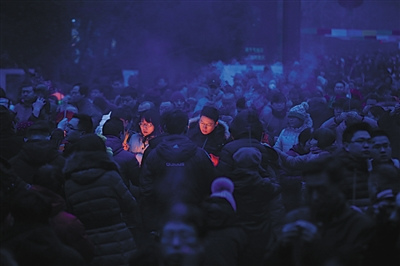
[(175, 171), (128, 165), (97, 195), (33, 155), (226, 165)]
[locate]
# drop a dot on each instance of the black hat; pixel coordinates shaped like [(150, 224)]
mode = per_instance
[(210, 112)]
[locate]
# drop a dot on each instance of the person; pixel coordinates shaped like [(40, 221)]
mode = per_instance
[(346, 112), (246, 131), (354, 156), (129, 167), (224, 239), (178, 100), (49, 183), (176, 170), (30, 239), (30, 105), (208, 132), (10, 142), (97, 195), (78, 126), (303, 145), (149, 128), (320, 144), (390, 122), (381, 149), (37, 151), (298, 120), (385, 211), (259, 206), (326, 231), (79, 98), (274, 116)]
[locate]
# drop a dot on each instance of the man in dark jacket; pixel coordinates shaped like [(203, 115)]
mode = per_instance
[(208, 133), (354, 158), (326, 231), (37, 151), (175, 171), (246, 131)]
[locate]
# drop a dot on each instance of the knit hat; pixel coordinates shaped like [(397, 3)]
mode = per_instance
[(223, 187), (247, 157), (299, 111), (210, 112)]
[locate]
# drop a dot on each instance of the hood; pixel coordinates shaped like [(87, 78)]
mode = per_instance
[(218, 213), (85, 167), (39, 152), (114, 143), (176, 148)]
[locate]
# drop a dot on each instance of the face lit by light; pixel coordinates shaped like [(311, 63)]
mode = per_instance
[(207, 125), (146, 127)]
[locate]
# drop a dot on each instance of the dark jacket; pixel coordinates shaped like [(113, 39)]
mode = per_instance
[(212, 142), (224, 240), (342, 240), (66, 225), (175, 171), (97, 195), (38, 244), (128, 165), (259, 209), (33, 155), (226, 164), (355, 179)]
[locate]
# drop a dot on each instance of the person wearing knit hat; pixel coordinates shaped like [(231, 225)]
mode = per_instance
[(298, 120), (299, 111), (223, 187)]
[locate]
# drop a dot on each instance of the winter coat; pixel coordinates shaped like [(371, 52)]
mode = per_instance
[(224, 240), (33, 155), (355, 183), (66, 225), (226, 164), (38, 244), (175, 171), (341, 240), (273, 122), (211, 143), (259, 212), (289, 136), (97, 195), (128, 165)]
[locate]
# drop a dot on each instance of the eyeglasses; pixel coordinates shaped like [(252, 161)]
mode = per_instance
[(362, 141), (206, 125), (146, 125), (72, 127)]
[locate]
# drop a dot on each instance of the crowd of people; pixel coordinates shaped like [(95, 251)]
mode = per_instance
[(269, 168)]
